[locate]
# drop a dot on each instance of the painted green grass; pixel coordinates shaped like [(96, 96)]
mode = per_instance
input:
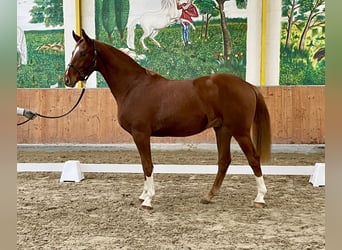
[(46, 67), (200, 58)]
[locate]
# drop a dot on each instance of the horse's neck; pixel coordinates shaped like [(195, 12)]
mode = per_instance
[(118, 69)]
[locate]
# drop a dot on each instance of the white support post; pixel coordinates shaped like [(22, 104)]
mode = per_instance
[(88, 23), (69, 25), (273, 28), (254, 48)]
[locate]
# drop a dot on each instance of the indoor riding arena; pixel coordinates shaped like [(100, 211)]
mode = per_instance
[(124, 138)]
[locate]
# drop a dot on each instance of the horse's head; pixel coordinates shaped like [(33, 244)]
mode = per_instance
[(83, 60)]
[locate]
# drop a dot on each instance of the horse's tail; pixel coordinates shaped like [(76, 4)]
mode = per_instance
[(262, 129), (131, 33)]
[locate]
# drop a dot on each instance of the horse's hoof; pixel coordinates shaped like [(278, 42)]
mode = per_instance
[(205, 201), (259, 205), (147, 207)]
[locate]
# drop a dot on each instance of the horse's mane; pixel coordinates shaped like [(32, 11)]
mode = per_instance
[(127, 58), (153, 74), (115, 50), (168, 5)]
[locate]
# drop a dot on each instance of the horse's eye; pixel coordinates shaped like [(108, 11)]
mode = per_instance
[(83, 53)]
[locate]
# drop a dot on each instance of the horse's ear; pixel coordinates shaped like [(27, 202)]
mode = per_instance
[(85, 36), (75, 36)]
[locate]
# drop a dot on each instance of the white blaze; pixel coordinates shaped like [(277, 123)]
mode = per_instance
[(76, 49)]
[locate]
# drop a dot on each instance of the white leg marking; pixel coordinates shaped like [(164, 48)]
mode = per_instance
[(261, 189), (144, 193), (149, 192)]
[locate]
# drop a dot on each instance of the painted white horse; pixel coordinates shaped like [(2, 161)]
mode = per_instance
[(153, 21), (21, 47)]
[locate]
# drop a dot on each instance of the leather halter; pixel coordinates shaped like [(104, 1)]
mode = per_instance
[(83, 75)]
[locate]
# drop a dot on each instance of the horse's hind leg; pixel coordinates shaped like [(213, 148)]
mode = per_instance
[(153, 35), (147, 33), (247, 147), (223, 138), (142, 142), (142, 41)]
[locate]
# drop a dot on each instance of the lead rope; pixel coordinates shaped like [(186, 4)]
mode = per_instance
[(58, 116)]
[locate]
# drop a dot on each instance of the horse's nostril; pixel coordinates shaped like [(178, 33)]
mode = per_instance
[(66, 79)]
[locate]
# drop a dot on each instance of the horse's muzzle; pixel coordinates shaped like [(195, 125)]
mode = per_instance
[(67, 80)]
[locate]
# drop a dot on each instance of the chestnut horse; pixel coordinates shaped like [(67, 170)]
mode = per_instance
[(151, 105)]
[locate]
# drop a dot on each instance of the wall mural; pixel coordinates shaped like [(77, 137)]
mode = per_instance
[(40, 35), (192, 40), (302, 50), (188, 37)]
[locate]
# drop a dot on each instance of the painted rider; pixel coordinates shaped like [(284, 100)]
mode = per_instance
[(189, 11)]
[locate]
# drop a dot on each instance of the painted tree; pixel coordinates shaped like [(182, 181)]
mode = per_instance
[(227, 42), (49, 12), (241, 4), (290, 10), (207, 9), (98, 21), (108, 17), (121, 15), (313, 15)]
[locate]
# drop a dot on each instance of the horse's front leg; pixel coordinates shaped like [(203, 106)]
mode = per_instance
[(142, 141)]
